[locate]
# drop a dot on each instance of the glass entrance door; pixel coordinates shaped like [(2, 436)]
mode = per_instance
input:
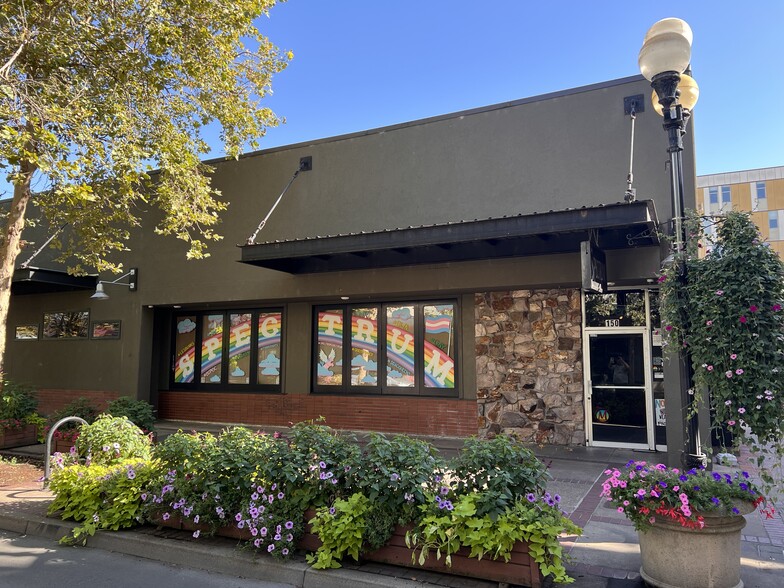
[(619, 398)]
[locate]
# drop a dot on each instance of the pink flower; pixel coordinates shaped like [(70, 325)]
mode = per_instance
[(776, 307), (728, 373), (753, 308), (708, 323), (709, 368), (662, 279), (731, 423), (741, 410), (739, 371), (734, 356), (676, 488), (668, 328), (719, 292), (743, 319), (620, 509)]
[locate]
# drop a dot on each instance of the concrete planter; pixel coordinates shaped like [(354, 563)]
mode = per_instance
[(677, 557)]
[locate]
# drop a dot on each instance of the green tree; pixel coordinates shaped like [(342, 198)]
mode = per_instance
[(95, 95)]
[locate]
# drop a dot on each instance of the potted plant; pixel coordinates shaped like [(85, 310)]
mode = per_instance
[(17, 416), (689, 522)]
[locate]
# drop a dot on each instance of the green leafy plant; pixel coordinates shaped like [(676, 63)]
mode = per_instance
[(340, 528), (111, 440), (140, 412), (17, 402), (726, 308), (81, 407), (501, 470), (445, 528), (100, 496), (646, 492), (394, 473)]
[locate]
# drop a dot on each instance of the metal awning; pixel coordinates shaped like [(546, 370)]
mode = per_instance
[(612, 226), (36, 280)]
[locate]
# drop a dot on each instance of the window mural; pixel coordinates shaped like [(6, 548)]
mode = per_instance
[(269, 329), (211, 349), (364, 346), (239, 348), (413, 345), (439, 346), (330, 348), (400, 346), (185, 349), (234, 360)]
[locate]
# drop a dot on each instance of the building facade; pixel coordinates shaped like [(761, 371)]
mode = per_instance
[(758, 191), (423, 278)]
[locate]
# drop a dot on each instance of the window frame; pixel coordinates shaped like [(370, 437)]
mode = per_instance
[(381, 388), (224, 386)]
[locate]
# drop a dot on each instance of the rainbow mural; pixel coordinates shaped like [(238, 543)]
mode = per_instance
[(399, 345)]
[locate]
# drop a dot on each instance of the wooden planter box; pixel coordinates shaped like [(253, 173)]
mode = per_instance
[(520, 569), (61, 445), (26, 435)]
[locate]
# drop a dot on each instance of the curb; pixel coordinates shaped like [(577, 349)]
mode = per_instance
[(209, 555)]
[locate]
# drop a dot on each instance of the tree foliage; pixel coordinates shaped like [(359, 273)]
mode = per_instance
[(95, 95)]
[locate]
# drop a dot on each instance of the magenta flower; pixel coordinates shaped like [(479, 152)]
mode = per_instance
[(668, 328), (753, 308), (734, 356), (776, 307), (743, 319), (662, 279)]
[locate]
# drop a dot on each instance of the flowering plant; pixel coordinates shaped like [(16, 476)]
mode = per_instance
[(726, 308), (11, 424), (645, 492)]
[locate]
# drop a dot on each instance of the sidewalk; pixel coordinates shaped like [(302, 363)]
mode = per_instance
[(607, 555)]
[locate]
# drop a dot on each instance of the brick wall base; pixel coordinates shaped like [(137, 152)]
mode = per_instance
[(417, 416), (50, 400)]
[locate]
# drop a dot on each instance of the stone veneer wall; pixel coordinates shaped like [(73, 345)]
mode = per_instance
[(529, 365)]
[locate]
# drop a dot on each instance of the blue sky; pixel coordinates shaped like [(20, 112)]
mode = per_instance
[(362, 64)]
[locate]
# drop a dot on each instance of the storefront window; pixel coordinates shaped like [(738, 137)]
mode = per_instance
[(615, 309), (270, 328), (231, 361), (415, 356)]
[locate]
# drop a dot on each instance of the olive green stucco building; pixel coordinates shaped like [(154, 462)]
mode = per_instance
[(421, 278)]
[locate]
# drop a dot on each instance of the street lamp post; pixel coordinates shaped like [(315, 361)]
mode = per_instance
[(663, 59)]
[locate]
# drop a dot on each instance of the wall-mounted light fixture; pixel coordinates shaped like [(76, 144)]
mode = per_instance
[(132, 284)]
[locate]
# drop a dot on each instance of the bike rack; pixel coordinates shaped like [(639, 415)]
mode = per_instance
[(47, 460)]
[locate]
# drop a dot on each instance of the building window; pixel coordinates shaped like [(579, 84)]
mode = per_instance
[(726, 198), (395, 348), (713, 196), (759, 198), (66, 325), (236, 350), (773, 225)]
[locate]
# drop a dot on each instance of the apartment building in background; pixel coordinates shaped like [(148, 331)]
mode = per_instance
[(759, 191)]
